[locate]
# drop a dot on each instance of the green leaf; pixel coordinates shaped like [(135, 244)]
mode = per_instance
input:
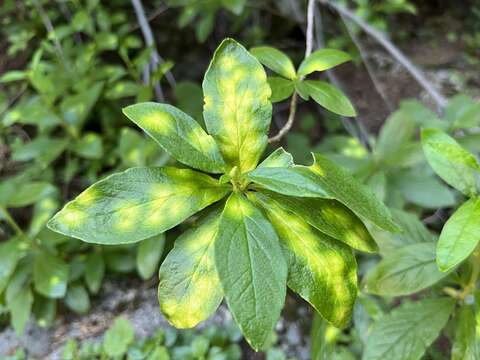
[(136, 204), (148, 255), (275, 60), (281, 88), (252, 269), (329, 216), (329, 97), (237, 109), (77, 299), (118, 338), (94, 272), (20, 308), (408, 330), (10, 253), (320, 269), (459, 236), (89, 146), (405, 271), (321, 60), (50, 275), (189, 290), (14, 75), (278, 158), (178, 134), (29, 193), (466, 345), (451, 162)]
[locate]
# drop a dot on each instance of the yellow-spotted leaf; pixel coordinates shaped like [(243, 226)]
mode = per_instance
[(321, 60), (321, 269), (136, 204), (189, 290), (252, 269), (329, 216), (178, 134), (237, 109)]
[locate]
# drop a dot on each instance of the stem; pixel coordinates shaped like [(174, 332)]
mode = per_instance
[(475, 261), (293, 102), (10, 220)]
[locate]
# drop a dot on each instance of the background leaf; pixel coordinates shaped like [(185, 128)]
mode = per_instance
[(275, 60)]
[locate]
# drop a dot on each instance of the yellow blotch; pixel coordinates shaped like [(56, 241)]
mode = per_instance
[(87, 198), (228, 62), (239, 74), (54, 280), (73, 217), (161, 122), (128, 218)]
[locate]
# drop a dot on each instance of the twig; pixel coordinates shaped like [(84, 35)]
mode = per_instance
[(353, 126), (293, 102), (439, 99), (149, 41)]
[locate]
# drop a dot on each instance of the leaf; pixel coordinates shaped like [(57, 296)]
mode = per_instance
[(408, 330), (329, 216), (29, 193), (320, 269), (13, 75), (20, 308), (50, 275), (321, 60), (275, 60), (136, 204), (77, 299), (459, 236), (94, 271), (252, 269), (149, 253), (405, 271), (118, 338), (466, 345), (329, 97), (237, 109), (458, 167), (278, 158), (76, 108), (281, 88), (10, 254), (178, 134), (89, 146), (292, 181), (189, 290)]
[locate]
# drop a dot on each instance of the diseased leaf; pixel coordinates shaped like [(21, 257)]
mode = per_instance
[(281, 88), (466, 345), (451, 162), (278, 158), (237, 110), (189, 290), (275, 60), (320, 269), (329, 216), (408, 330), (405, 271), (149, 253), (50, 275), (459, 236), (329, 97), (252, 269), (321, 60), (178, 134), (136, 204)]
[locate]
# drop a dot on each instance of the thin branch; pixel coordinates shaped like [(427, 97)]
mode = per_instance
[(149, 41), (439, 99), (293, 102)]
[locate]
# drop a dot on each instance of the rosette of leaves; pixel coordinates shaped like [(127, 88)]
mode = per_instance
[(289, 81), (261, 227)]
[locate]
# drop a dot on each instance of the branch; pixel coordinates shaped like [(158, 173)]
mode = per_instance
[(439, 99), (293, 102), (149, 41)]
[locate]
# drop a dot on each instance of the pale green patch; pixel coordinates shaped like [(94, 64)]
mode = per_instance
[(237, 109), (189, 290)]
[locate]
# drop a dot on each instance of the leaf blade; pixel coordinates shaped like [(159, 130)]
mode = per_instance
[(321, 60), (329, 97), (275, 60)]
